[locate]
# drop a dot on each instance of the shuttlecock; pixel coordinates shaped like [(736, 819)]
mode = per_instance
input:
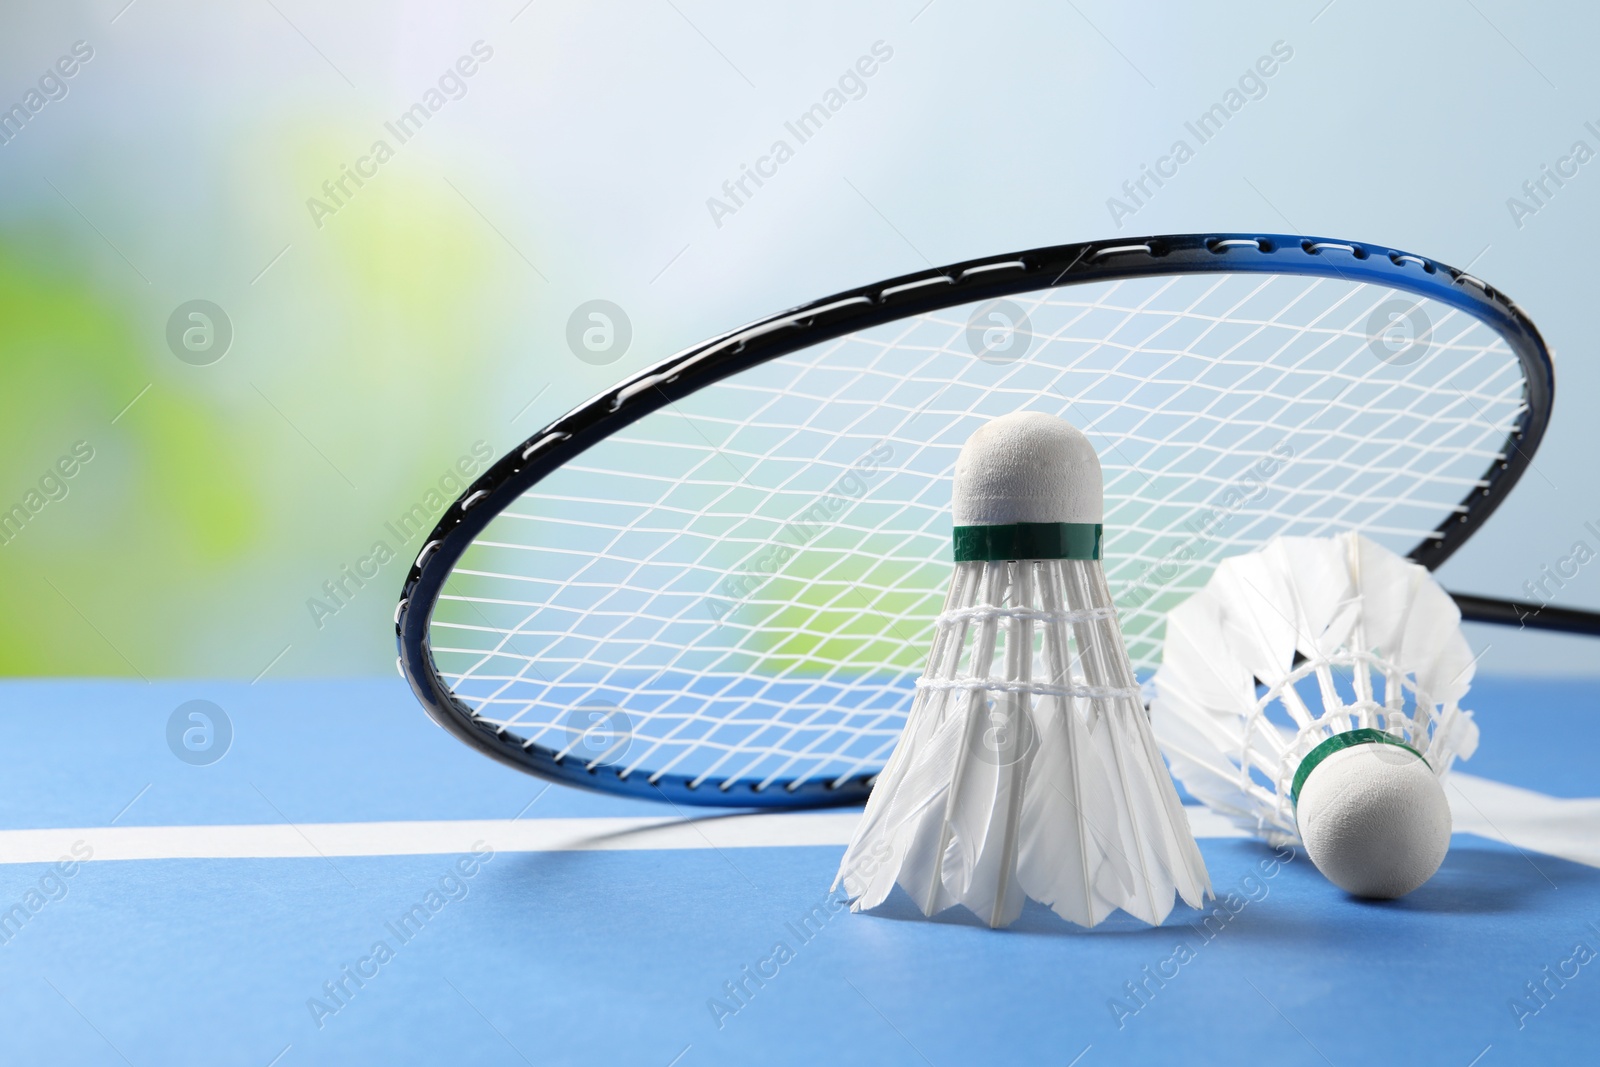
[(1027, 767), (1311, 693)]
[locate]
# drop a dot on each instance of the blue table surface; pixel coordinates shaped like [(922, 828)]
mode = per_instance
[(626, 956)]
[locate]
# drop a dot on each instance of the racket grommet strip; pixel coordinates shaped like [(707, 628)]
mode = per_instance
[(989, 268), (1118, 250), (921, 283), (1316, 248), (1219, 245), (427, 550), (1400, 259), (542, 443)]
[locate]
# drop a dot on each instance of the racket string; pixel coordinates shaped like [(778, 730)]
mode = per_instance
[(671, 571)]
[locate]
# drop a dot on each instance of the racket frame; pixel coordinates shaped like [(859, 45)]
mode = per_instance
[(858, 309)]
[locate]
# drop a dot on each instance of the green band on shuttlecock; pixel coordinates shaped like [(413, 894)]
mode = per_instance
[(1338, 743), (1028, 540)]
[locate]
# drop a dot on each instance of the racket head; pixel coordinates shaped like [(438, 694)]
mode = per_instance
[(1247, 340)]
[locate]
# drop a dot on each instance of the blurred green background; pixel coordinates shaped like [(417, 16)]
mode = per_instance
[(380, 337)]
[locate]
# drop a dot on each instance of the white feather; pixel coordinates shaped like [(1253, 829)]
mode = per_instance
[(1027, 768), (1350, 608)]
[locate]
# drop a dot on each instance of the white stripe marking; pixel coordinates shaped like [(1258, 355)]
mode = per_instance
[(1556, 826), (335, 839), (314, 840), (1566, 828)]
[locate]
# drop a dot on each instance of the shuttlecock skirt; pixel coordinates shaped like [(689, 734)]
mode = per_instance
[(1027, 768), (1297, 643)]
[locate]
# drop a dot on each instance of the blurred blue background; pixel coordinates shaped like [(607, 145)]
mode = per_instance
[(366, 340)]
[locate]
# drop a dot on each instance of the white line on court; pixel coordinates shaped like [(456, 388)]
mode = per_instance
[(311, 840), (1566, 828), (333, 839), (1569, 828)]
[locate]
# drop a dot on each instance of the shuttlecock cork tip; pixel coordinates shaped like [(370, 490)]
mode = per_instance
[(1027, 467), (1375, 820)]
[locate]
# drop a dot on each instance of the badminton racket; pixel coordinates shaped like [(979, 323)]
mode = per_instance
[(716, 582)]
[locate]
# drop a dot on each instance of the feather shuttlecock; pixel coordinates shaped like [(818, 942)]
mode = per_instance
[(1311, 693), (1027, 767)]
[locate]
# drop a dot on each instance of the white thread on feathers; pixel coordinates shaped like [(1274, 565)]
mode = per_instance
[(1036, 614), (1082, 692)]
